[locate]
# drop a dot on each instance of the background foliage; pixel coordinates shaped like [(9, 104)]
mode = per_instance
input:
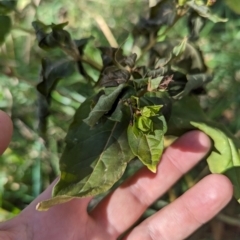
[(27, 167)]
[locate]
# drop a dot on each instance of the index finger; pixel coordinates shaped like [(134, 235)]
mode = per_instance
[(6, 129)]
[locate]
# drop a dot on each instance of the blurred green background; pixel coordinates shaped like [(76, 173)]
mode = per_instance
[(27, 167)]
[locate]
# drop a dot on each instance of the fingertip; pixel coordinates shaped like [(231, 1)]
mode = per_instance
[(6, 130), (209, 196), (195, 140), (221, 188)]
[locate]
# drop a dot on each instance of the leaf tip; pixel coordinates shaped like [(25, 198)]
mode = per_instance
[(40, 207), (152, 168)]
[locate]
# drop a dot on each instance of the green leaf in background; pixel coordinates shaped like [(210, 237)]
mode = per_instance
[(81, 43), (6, 24), (104, 105), (191, 60), (145, 136), (233, 5), (181, 2), (58, 37), (7, 6), (205, 12), (225, 155), (94, 159)]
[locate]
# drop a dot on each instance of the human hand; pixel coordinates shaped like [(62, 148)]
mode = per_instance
[(123, 207)]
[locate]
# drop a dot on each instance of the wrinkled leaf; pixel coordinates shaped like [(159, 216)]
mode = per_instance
[(116, 113), (110, 54), (129, 60), (225, 156), (191, 60), (7, 6), (195, 25), (155, 83), (52, 72), (6, 24), (205, 12), (116, 67), (81, 43), (194, 81), (139, 72), (103, 106), (158, 98), (179, 49), (57, 37), (93, 160), (145, 139), (163, 12), (113, 76)]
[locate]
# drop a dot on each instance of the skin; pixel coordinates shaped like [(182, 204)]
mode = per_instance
[(122, 208)]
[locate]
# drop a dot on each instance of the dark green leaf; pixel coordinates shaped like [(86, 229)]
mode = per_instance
[(205, 12), (190, 62), (94, 159), (162, 14), (52, 72), (139, 72), (194, 81), (57, 37), (129, 61), (195, 25), (7, 6), (104, 105), (116, 67), (109, 55), (6, 24), (116, 113), (113, 76)]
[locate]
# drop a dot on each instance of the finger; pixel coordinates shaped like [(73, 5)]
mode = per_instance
[(125, 205), (182, 217), (74, 206), (6, 130)]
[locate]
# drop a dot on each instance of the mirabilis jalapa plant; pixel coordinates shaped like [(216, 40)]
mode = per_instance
[(135, 106)]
